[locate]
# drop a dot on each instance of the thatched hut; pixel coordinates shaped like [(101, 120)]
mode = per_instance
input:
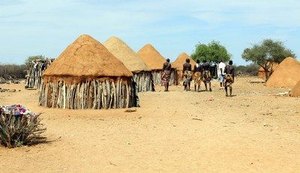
[(286, 74), (142, 75), (87, 76), (154, 60), (178, 64)]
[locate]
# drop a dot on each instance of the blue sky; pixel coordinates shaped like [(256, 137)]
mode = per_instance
[(47, 27)]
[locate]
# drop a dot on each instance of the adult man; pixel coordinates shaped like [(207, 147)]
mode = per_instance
[(229, 78), (206, 74), (166, 74), (197, 75), (187, 74), (213, 69), (221, 68)]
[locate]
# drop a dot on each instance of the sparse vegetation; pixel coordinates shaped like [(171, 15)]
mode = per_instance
[(12, 71), (18, 130), (30, 59), (266, 54), (247, 70)]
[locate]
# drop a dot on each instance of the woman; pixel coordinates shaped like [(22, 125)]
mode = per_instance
[(166, 74), (187, 75), (197, 75)]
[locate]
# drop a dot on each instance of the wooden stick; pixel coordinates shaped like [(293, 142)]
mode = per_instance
[(94, 94)]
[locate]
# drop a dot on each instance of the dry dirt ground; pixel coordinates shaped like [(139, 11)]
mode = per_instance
[(175, 131)]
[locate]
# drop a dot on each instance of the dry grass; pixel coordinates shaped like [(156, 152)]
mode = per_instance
[(153, 59), (125, 54), (85, 58)]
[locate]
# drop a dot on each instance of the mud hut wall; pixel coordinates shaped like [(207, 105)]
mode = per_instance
[(91, 94)]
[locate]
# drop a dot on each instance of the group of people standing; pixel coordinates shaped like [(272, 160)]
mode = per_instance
[(201, 73)]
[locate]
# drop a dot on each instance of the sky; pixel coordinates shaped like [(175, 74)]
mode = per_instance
[(47, 27)]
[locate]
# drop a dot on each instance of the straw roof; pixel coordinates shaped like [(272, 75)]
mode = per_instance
[(153, 59), (286, 74), (125, 54), (86, 57), (296, 90), (178, 63)]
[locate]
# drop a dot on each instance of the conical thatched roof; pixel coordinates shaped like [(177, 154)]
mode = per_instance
[(151, 57), (296, 90), (88, 58), (125, 54), (178, 63), (286, 74)]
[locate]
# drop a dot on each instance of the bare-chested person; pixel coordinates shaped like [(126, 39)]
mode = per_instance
[(197, 75), (166, 74), (229, 78), (187, 75), (206, 75)]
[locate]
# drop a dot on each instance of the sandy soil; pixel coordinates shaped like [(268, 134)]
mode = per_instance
[(175, 131)]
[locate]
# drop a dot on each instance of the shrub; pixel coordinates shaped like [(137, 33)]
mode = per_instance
[(250, 70), (12, 71), (19, 126)]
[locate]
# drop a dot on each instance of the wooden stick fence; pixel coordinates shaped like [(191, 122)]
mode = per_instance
[(173, 77), (157, 77), (34, 77), (144, 81), (94, 94)]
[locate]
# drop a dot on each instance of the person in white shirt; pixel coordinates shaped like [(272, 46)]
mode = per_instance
[(221, 68)]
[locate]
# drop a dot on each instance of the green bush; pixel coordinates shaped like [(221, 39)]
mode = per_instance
[(250, 70), (17, 129), (12, 71)]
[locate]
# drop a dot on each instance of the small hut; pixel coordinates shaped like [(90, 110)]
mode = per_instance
[(87, 76), (141, 73), (178, 64), (154, 60), (286, 74)]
